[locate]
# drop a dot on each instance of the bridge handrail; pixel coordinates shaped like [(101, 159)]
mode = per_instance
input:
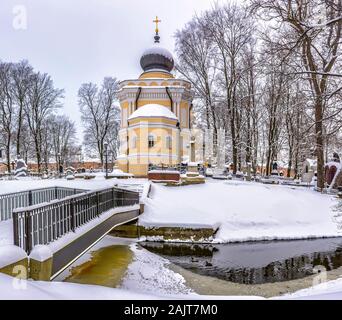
[(13, 200), (47, 222)]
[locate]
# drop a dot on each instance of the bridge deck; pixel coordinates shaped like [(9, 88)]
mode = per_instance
[(71, 251)]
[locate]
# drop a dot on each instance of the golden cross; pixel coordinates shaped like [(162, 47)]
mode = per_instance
[(156, 22)]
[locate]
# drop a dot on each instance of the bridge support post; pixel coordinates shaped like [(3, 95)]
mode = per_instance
[(17, 266), (41, 270), (41, 259)]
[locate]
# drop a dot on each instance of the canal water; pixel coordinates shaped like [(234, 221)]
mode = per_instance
[(254, 263), (105, 264)]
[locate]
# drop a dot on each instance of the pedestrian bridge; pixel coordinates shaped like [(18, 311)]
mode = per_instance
[(65, 223)]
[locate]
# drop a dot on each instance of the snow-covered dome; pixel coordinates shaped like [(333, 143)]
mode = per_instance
[(153, 110), (158, 58)]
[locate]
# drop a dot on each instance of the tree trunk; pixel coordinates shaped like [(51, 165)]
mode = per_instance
[(20, 121), (8, 156), (319, 143)]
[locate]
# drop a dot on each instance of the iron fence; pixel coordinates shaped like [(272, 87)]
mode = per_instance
[(11, 201), (42, 224)]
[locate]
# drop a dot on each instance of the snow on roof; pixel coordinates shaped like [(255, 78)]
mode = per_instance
[(160, 51), (153, 110)]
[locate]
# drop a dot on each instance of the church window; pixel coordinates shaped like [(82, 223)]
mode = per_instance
[(151, 141)]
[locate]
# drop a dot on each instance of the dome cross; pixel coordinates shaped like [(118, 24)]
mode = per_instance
[(157, 21), (157, 37)]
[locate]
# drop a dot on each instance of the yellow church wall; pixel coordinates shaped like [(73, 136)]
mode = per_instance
[(165, 103), (123, 165), (155, 120), (141, 136), (153, 74), (140, 156)]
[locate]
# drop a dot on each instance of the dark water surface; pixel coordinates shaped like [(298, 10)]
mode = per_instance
[(255, 262)]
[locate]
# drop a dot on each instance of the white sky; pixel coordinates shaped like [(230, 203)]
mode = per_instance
[(78, 41)]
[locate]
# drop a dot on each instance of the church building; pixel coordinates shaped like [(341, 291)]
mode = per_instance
[(156, 113)]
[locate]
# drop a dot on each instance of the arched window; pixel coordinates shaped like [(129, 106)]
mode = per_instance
[(151, 141), (169, 142)]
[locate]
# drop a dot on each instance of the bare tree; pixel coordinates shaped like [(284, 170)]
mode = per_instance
[(99, 114), (197, 63), (42, 100), (22, 73), (311, 31), (7, 109), (63, 134), (231, 30)]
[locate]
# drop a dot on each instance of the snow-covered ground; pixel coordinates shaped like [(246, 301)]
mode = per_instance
[(147, 278), (331, 290), (9, 186), (148, 273), (15, 289), (244, 211)]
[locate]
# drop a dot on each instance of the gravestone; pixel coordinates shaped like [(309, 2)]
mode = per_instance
[(21, 168), (70, 173)]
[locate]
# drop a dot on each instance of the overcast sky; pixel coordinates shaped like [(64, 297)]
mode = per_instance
[(78, 41)]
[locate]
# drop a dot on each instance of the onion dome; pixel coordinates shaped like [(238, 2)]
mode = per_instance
[(157, 58)]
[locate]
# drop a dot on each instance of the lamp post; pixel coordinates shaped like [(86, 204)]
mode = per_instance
[(106, 157)]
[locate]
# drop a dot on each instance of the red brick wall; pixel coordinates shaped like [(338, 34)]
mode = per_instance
[(161, 176)]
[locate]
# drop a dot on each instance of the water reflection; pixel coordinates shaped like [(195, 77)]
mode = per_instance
[(254, 263)]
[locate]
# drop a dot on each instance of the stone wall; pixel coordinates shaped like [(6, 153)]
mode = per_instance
[(165, 233)]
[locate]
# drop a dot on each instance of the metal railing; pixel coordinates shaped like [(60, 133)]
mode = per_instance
[(11, 201), (42, 224)]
